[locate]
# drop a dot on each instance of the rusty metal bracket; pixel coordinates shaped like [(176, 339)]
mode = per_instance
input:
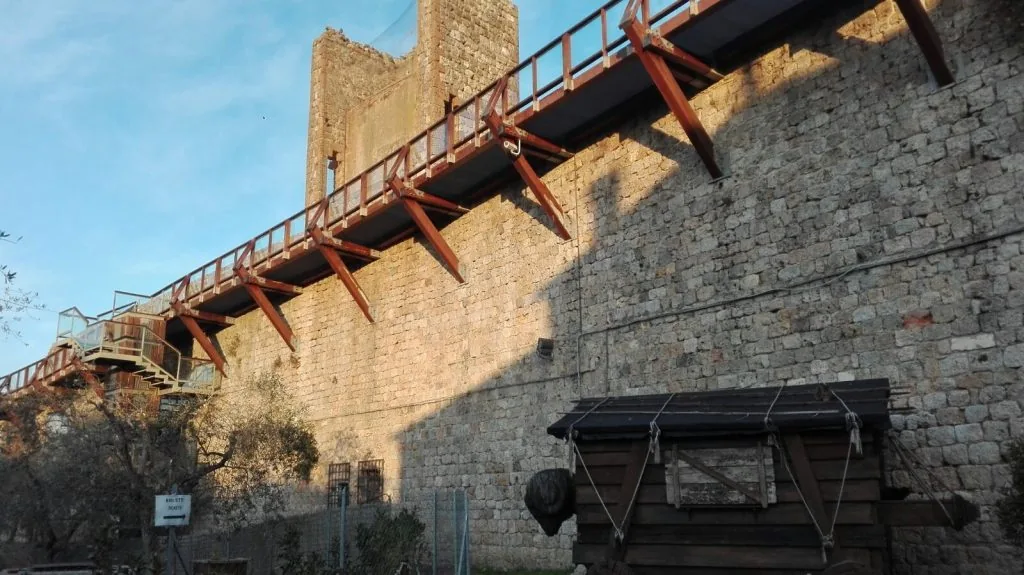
[(331, 249), (927, 38), (189, 318), (412, 205), (654, 63)]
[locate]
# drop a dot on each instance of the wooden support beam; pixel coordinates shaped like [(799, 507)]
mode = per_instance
[(663, 47), (422, 221), (183, 310), (267, 284), (928, 513), (540, 190), (345, 275), (800, 464), (429, 201), (546, 149), (204, 342), (673, 95), (261, 299), (333, 258), (547, 200), (345, 247), (927, 38), (626, 507)]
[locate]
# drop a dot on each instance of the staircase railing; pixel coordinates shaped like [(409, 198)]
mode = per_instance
[(121, 340), (118, 340), (58, 360)]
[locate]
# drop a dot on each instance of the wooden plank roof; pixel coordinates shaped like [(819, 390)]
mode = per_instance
[(730, 412)]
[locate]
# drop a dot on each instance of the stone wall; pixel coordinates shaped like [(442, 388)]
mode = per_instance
[(871, 226), (365, 104), (343, 73)]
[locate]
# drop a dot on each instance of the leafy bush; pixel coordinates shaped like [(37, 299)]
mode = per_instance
[(390, 541), (1010, 510), (292, 561)]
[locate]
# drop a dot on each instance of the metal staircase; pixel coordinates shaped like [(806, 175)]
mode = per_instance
[(133, 347), (127, 346)]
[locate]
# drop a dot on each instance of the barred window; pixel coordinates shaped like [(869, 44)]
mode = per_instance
[(370, 481), (338, 477)]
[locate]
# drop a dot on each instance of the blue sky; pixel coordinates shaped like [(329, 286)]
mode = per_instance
[(139, 140)]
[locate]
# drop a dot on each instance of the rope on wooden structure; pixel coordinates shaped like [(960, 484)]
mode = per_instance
[(656, 431), (570, 434), (654, 447), (768, 414), (906, 456), (853, 424)]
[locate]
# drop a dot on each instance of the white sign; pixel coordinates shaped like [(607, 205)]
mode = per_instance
[(173, 510)]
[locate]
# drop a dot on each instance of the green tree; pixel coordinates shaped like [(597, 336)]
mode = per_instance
[(97, 473)]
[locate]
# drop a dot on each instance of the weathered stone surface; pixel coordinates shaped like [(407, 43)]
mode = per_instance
[(681, 284), (365, 104)]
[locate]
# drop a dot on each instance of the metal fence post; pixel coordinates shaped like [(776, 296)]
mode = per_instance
[(434, 555), (455, 531), (343, 505), (465, 509)]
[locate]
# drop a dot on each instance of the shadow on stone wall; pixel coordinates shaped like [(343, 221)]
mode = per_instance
[(674, 287)]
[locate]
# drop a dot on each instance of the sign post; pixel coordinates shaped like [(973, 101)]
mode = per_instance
[(172, 511)]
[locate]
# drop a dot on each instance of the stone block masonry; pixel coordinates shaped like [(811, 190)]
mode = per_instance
[(365, 104), (871, 226)]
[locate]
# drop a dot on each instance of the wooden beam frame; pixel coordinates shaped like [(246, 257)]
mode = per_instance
[(427, 200), (532, 143), (626, 508), (703, 74), (411, 202), (200, 336), (540, 190), (663, 79), (182, 310), (422, 221), (255, 289), (805, 479), (927, 38), (329, 249), (714, 474)]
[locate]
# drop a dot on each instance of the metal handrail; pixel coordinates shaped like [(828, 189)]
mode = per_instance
[(129, 339), (199, 280)]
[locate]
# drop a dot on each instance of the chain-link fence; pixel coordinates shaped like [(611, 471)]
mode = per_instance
[(425, 535)]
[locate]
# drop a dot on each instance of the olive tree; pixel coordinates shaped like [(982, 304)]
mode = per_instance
[(96, 474)]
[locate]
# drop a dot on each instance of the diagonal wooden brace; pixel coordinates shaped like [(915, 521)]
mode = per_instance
[(182, 309), (673, 95), (268, 284), (330, 250), (531, 143), (701, 74), (255, 290), (189, 320), (540, 190), (429, 201), (422, 221), (927, 38), (345, 247)]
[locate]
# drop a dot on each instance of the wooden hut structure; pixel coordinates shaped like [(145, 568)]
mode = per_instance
[(778, 480)]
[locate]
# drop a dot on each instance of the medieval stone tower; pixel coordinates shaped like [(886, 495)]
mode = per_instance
[(364, 104)]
